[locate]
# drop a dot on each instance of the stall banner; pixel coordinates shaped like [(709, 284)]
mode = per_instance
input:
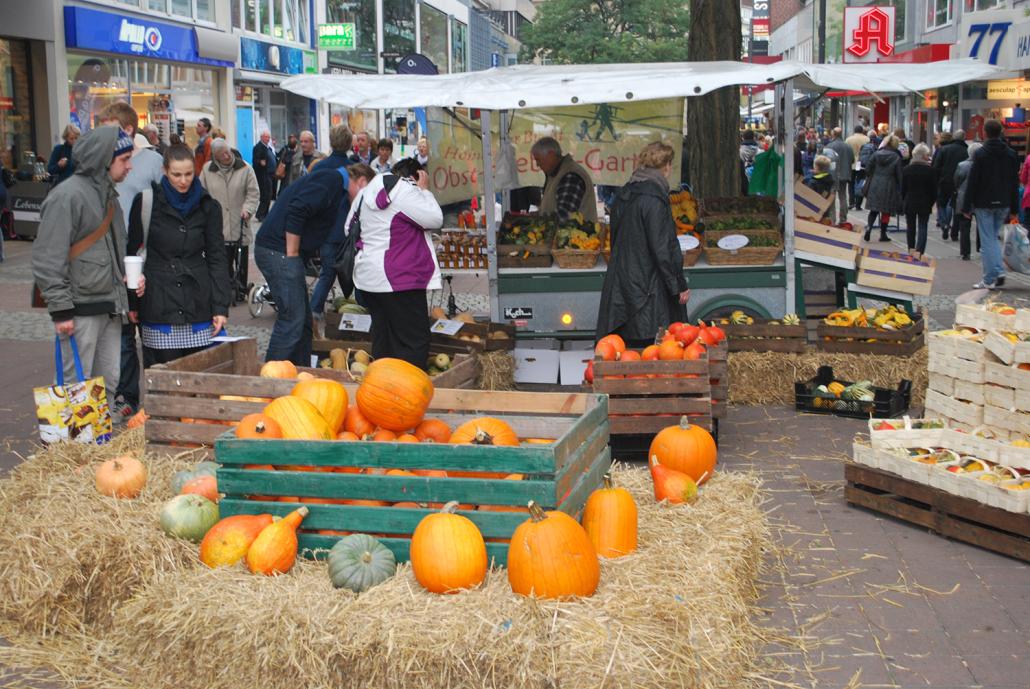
[(606, 139)]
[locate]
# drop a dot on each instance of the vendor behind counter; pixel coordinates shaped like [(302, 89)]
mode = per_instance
[(568, 187)]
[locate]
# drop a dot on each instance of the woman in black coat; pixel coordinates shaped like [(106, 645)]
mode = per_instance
[(187, 297), (919, 191), (883, 187), (644, 288)]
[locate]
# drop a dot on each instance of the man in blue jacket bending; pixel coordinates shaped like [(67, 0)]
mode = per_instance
[(293, 231)]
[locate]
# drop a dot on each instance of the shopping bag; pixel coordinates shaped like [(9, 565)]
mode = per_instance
[(1016, 249), (76, 411)]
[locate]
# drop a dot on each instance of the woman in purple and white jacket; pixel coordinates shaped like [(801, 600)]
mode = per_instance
[(396, 262)]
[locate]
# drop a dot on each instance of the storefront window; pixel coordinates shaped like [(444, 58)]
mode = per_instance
[(266, 17), (182, 8), (356, 120), (398, 31), (434, 36), (459, 46), (205, 10), (251, 6), (363, 15), (157, 5), (15, 104), (93, 84), (938, 13)]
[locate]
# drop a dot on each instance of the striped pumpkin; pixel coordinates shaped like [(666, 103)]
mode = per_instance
[(329, 398), (299, 419)]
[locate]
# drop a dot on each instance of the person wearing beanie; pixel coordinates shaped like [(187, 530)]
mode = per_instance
[(77, 258)]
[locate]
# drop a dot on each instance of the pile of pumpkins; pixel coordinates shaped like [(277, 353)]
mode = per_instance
[(677, 342)]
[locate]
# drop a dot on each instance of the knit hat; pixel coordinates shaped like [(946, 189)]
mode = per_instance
[(123, 145)]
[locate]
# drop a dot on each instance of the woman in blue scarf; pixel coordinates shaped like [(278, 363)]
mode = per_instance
[(177, 226)]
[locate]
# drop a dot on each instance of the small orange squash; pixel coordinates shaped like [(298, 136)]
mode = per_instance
[(610, 519), (299, 419), (448, 552), (484, 430), (686, 448), (407, 438), (202, 485), (433, 430), (551, 556), (138, 419), (275, 549), (394, 394), (121, 477), (228, 541), (382, 435), (347, 435), (258, 426), (356, 423), (278, 369), (671, 485), (328, 397)]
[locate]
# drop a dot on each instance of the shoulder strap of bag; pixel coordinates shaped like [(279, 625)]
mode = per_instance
[(146, 209), (80, 247)]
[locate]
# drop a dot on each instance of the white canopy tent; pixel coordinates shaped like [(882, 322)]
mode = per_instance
[(534, 86)]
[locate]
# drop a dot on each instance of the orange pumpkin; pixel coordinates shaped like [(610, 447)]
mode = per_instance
[(617, 343), (278, 369), (686, 448), (121, 477), (382, 435), (202, 485), (408, 505), (610, 520), (695, 350), (328, 397), (671, 485), (670, 350), (258, 426), (484, 430), (275, 549), (356, 423), (650, 353), (433, 473), (394, 394), (347, 435), (399, 472), (228, 541), (433, 430), (299, 419), (630, 355), (138, 419), (606, 350), (551, 556), (407, 438), (448, 552), (366, 503)]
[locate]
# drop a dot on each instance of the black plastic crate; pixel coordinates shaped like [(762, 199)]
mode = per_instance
[(886, 403)]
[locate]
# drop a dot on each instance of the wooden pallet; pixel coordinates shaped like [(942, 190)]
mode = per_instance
[(949, 515), (558, 475)]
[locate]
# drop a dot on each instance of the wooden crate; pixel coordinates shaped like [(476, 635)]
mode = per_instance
[(966, 414), (941, 383), (979, 317), (948, 515), (968, 392), (560, 475), (524, 255), (719, 377), (895, 271), (852, 340), (763, 336), (809, 203), (826, 240), (1008, 376), (463, 373), (438, 342), (1008, 352), (1007, 423), (945, 346), (641, 405), (959, 369)]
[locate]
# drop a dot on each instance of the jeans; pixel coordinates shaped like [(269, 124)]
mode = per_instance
[(989, 223), (915, 228), (98, 339), (128, 381), (944, 213), (326, 278), (291, 334)]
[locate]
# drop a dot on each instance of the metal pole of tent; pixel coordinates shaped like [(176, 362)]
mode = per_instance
[(489, 208), (502, 142), (788, 190)]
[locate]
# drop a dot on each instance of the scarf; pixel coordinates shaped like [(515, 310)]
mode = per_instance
[(650, 174), (225, 169), (184, 203)]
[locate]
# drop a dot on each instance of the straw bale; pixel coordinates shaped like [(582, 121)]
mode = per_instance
[(766, 378), (70, 554), (496, 370), (675, 614)]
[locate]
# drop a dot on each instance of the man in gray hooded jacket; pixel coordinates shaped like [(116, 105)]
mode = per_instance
[(78, 269)]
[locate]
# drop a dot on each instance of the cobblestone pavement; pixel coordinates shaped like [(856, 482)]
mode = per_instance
[(875, 602)]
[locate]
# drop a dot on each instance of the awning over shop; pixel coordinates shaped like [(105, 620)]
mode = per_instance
[(536, 86)]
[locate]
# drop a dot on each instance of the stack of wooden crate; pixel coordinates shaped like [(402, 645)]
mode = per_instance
[(956, 382)]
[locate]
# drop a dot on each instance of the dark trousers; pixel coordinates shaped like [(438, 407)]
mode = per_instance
[(884, 220), (153, 356), (400, 325), (128, 381), (265, 188), (327, 254), (856, 199), (292, 332), (964, 226), (915, 229), (244, 259)]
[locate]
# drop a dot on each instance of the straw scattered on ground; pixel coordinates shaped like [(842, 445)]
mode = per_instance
[(496, 370), (766, 378), (676, 613)]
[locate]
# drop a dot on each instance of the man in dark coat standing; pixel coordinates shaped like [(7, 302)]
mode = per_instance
[(945, 160), (265, 162)]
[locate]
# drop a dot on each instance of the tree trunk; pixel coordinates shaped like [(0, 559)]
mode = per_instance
[(713, 120)]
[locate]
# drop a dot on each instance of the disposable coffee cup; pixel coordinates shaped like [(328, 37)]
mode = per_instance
[(133, 271)]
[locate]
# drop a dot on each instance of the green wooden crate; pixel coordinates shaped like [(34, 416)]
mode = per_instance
[(559, 475)]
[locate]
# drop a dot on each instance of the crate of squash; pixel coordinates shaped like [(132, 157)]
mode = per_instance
[(352, 358), (578, 242), (472, 335), (888, 330), (524, 241), (748, 334)]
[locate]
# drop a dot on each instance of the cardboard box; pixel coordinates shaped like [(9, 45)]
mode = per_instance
[(895, 271), (809, 203), (536, 365), (826, 240), (572, 365)]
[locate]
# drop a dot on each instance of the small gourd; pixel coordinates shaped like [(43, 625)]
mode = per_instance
[(275, 549), (358, 562)]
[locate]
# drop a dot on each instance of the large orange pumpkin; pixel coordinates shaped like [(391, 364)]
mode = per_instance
[(279, 369), (258, 426), (433, 430), (356, 423), (121, 477), (394, 394), (228, 541), (686, 448), (551, 556), (670, 350), (328, 397), (484, 430), (275, 549), (610, 519), (299, 419), (448, 552)]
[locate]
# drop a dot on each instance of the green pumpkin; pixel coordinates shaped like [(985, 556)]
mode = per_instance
[(188, 516), (181, 478), (358, 562)]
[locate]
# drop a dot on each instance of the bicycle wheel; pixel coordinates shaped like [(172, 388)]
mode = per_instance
[(256, 300)]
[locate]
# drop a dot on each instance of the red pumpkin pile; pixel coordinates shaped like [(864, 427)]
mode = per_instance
[(678, 342)]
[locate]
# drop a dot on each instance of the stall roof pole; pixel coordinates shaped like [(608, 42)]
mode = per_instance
[(489, 208), (788, 190)]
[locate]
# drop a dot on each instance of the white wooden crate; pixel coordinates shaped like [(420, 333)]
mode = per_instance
[(1006, 422), (970, 415), (1007, 376), (999, 396), (942, 383), (1023, 320), (954, 346), (906, 436), (969, 392), (1005, 350), (977, 316), (959, 369), (1016, 457)]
